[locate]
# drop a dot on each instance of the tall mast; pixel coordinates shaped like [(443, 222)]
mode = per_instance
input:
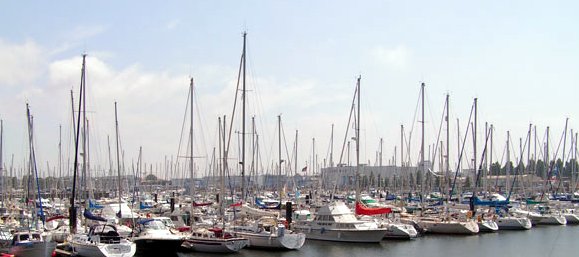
[(358, 143), (118, 157), (491, 132), (401, 145), (72, 210), (59, 156), (296, 157), (381, 146), (422, 142), (447, 164), (253, 146), (279, 157), (474, 138), (508, 169), (1, 161), (221, 162), (547, 160), (192, 186), (243, 121), (331, 147)]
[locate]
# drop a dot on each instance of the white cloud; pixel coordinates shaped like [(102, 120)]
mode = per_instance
[(396, 58), (152, 103), (21, 63)]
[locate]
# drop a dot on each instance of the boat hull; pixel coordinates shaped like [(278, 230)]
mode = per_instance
[(487, 226), (514, 223), (214, 245), (572, 218), (103, 250), (548, 220), (345, 235), (291, 241), (450, 227), (400, 231)]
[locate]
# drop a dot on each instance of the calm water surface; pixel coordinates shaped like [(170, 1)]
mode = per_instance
[(543, 241)]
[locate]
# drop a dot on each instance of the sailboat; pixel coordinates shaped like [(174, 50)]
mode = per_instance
[(32, 242), (267, 232), (102, 239), (335, 221), (202, 239), (446, 224)]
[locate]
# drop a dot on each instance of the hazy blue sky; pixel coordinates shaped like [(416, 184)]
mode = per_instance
[(520, 58)]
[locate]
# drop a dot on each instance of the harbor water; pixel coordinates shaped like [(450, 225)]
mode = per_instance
[(543, 241)]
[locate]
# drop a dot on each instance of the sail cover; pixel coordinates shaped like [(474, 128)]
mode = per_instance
[(87, 214), (363, 210)]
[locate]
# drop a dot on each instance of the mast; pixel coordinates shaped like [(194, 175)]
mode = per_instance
[(279, 158), (192, 186), (72, 210), (59, 157), (2, 161), (474, 160), (33, 161), (423, 173), (381, 149), (447, 161), (243, 95), (296, 157), (508, 165), (118, 158), (331, 147), (220, 169), (358, 143), (401, 145)]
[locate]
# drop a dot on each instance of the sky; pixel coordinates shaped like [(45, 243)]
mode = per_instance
[(519, 58)]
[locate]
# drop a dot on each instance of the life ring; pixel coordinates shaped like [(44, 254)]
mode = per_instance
[(469, 214), (148, 214), (285, 224)]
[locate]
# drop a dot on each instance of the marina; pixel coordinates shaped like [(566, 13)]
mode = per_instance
[(341, 130)]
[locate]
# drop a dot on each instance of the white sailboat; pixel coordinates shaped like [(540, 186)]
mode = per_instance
[(212, 240), (102, 240)]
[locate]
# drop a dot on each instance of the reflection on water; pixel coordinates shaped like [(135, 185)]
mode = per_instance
[(552, 241)]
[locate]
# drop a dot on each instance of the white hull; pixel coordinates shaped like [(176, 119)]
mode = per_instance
[(214, 245), (83, 247), (548, 220), (449, 227), (345, 235), (400, 231), (291, 241), (487, 226), (514, 223)]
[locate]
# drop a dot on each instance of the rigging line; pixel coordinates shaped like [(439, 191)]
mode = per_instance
[(413, 122), (461, 153), (289, 160), (201, 121), (552, 166), (241, 62), (442, 119), (348, 126), (182, 129)]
